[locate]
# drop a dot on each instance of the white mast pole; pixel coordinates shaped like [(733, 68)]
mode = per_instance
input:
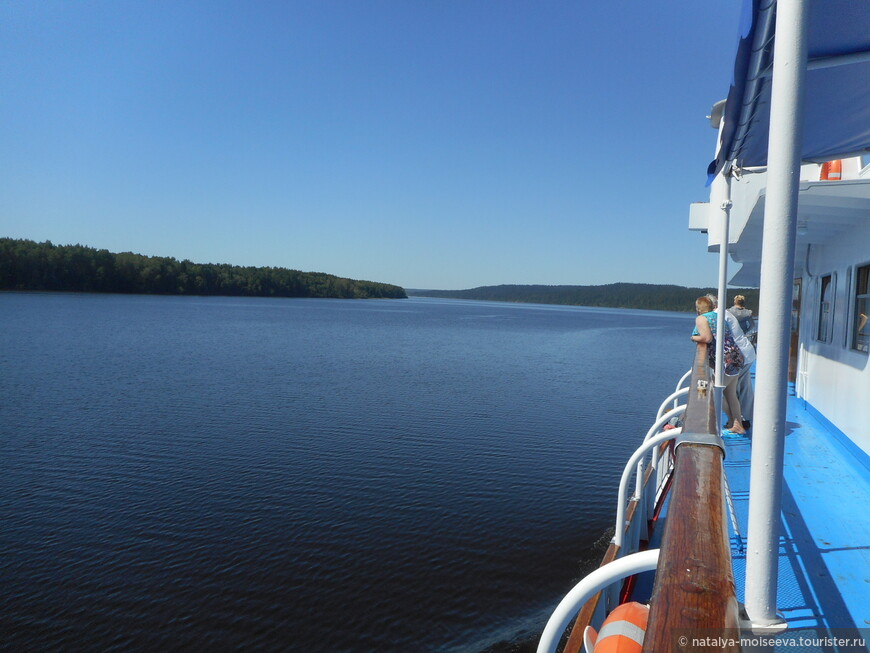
[(720, 201), (777, 270)]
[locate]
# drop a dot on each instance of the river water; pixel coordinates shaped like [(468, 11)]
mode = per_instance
[(311, 475)]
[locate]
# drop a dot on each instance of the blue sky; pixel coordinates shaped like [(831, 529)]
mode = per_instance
[(431, 144)]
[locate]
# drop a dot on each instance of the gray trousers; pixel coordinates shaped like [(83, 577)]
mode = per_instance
[(745, 392)]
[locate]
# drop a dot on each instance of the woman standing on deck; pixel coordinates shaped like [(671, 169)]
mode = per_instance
[(743, 315), (705, 331), (739, 318)]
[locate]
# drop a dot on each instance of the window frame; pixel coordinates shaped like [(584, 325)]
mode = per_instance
[(820, 307), (848, 310), (854, 313)]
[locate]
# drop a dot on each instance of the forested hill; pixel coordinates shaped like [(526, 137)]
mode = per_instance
[(614, 295), (28, 265)]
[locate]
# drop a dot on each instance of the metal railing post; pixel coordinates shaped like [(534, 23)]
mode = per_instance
[(680, 392), (626, 475)]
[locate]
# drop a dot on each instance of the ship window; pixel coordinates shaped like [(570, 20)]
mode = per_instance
[(826, 304), (861, 329)]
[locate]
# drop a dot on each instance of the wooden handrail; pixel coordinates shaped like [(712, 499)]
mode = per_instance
[(700, 415), (694, 586)]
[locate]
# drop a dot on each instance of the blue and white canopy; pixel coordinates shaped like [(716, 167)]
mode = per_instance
[(837, 87)]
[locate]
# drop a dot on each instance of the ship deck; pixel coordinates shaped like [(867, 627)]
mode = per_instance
[(824, 550)]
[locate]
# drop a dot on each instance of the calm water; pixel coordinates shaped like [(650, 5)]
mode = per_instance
[(312, 475)]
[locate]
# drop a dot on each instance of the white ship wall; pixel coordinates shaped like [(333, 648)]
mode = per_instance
[(834, 378)]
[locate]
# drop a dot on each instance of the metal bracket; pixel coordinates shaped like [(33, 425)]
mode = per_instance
[(712, 439), (749, 628)]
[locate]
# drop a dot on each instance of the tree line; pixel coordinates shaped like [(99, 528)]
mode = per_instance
[(28, 265), (614, 295)]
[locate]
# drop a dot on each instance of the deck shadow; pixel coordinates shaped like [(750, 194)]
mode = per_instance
[(814, 584)]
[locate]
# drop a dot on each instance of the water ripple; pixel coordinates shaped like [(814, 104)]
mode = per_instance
[(299, 475)]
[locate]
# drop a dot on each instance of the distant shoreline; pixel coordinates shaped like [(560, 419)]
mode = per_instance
[(615, 295)]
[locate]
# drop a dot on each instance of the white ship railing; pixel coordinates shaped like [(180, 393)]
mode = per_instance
[(635, 514), (598, 580), (638, 455), (700, 452), (655, 464)]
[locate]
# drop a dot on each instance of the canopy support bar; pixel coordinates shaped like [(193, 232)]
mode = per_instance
[(777, 271)]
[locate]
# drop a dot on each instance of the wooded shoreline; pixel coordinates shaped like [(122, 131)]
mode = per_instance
[(32, 266), (28, 265)]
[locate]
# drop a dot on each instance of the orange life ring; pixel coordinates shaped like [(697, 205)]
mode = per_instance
[(832, 170), (621, 632)]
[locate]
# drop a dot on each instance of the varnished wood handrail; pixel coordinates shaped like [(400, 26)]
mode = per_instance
[(700, 415), (694, 586)]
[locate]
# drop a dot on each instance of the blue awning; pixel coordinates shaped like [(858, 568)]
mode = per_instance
[(837, 87)]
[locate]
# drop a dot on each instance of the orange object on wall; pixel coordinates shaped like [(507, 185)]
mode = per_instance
[(832, 170)]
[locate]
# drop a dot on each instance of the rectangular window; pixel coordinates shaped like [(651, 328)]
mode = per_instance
[(826, 303), (861, 329)]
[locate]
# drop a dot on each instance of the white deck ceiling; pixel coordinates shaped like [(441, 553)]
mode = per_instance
[(826, 209)]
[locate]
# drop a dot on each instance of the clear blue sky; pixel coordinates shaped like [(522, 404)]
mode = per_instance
[(427, 143)]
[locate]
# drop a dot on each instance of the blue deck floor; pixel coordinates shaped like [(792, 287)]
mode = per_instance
[(824, 550)]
